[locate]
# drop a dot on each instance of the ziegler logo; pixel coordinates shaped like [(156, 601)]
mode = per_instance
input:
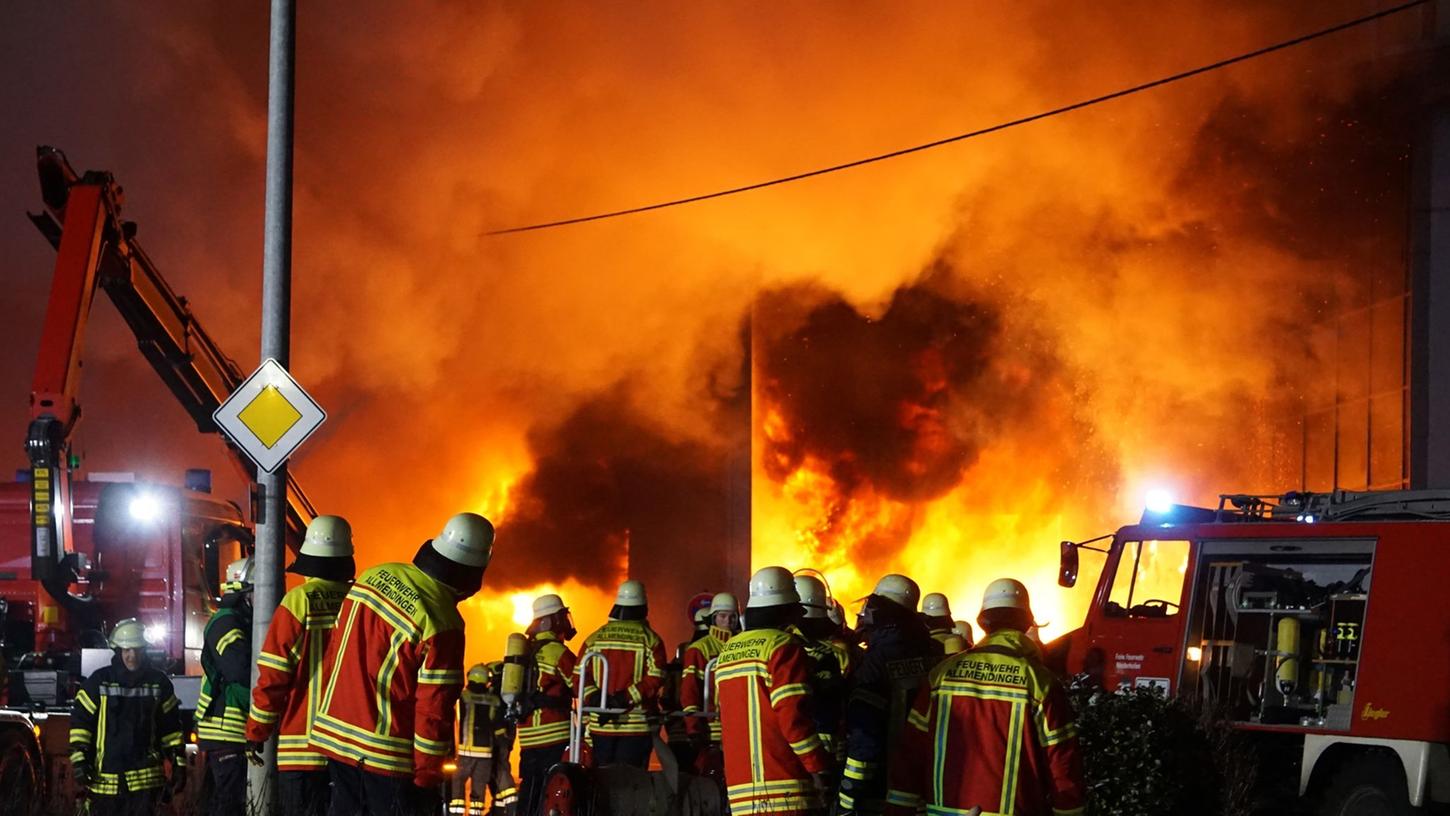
[(1372, 713)]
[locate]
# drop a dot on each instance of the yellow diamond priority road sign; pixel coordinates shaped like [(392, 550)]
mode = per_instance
[(269, 415)]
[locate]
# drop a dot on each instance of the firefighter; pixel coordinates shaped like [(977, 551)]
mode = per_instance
[(636, 658), (544, 731), (125, 723), (992, 727), (485, 740), (830, 659), (393, 672), (963, 630), (289, 663), (221, 709), (899, 653), (724, 624), (672, 696), (936, 613), (774, 760)]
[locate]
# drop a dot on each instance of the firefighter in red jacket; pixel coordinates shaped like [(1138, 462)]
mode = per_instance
[(636, 658), (289, 665), (393, 673), (991, 728), (544, 731), (830, 662), (774, 760), (724, 624)]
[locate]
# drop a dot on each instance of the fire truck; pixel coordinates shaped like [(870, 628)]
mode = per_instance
[(1317, 623), (80, 553)]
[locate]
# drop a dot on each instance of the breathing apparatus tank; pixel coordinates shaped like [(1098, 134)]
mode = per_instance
[(515, 674), (1288, 650)]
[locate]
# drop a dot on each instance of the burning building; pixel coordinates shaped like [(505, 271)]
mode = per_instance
[(948, 362)]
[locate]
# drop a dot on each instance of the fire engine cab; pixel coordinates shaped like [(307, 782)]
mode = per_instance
[(1318, 622)]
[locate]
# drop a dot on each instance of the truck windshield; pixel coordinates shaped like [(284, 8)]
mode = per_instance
[(1148, 582)]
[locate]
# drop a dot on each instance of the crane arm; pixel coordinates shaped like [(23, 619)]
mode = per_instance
[(95, 247)]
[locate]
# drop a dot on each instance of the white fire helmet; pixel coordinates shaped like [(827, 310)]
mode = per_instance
[(239, 576), (836, 613), (935, 606), (467, 539), (631, 593), (328, 537), (723, 602), (128, 634), (900, 589), (813, 596), (963, 630), (546, 605), (772, 586), (1006, 593)]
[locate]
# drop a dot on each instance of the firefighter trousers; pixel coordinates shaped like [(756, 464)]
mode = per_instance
[(303, 793), (126, 803), (475, 775), (534, 765), (356, 792), (226, 770), (627, 749)]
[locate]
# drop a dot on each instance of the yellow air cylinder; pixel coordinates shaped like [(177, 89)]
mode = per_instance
[(515, 649), (1288, 643)]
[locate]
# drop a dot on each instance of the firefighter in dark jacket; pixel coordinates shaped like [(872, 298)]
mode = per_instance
[(899, 653), (125, 723), (221, 709), (485, 740)]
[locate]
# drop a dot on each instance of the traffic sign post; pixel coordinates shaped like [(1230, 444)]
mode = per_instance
[(269, 416)]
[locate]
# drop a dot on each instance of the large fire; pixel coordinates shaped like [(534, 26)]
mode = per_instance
[(948, 363)]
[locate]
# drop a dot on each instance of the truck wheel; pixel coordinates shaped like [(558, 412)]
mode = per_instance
[(1368, 785), (19, 778)]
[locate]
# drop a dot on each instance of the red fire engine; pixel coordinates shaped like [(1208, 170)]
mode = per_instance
[(81, 554), (1319, 623)]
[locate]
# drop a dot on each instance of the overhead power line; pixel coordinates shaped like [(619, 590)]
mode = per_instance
[(1047, 114)]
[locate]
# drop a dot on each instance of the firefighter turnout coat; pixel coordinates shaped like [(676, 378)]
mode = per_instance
[(392, 675), (551, 695), (991, 728), (123, 726), (762, 685), (289, 672), (882, 691), (636, 658), (692, 680), (226, 662)]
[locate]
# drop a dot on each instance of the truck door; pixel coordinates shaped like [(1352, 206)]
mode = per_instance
[(1136, 629)]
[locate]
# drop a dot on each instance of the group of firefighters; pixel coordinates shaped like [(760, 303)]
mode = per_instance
[(362, 683)]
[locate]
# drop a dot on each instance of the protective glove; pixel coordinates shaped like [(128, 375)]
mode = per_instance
[(619, 699), (81, 773), (823, 781), (254, 752), (178, 774)]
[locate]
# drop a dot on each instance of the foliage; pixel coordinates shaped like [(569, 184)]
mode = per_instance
[(1147, 755)]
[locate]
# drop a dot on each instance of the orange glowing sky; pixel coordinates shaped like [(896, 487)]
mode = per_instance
[(1127, 249)]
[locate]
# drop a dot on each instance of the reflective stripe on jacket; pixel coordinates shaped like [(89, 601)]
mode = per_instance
[(289, 671), (762, 685), (553, 693), (636, 657), (392, 675), (221, 710), (991, 728), (123, 725), (692, 680)]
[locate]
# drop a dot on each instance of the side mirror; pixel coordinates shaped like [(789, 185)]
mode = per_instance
[(1067, 565)]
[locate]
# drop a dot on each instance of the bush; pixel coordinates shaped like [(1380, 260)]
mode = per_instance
[(1147, 755)]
